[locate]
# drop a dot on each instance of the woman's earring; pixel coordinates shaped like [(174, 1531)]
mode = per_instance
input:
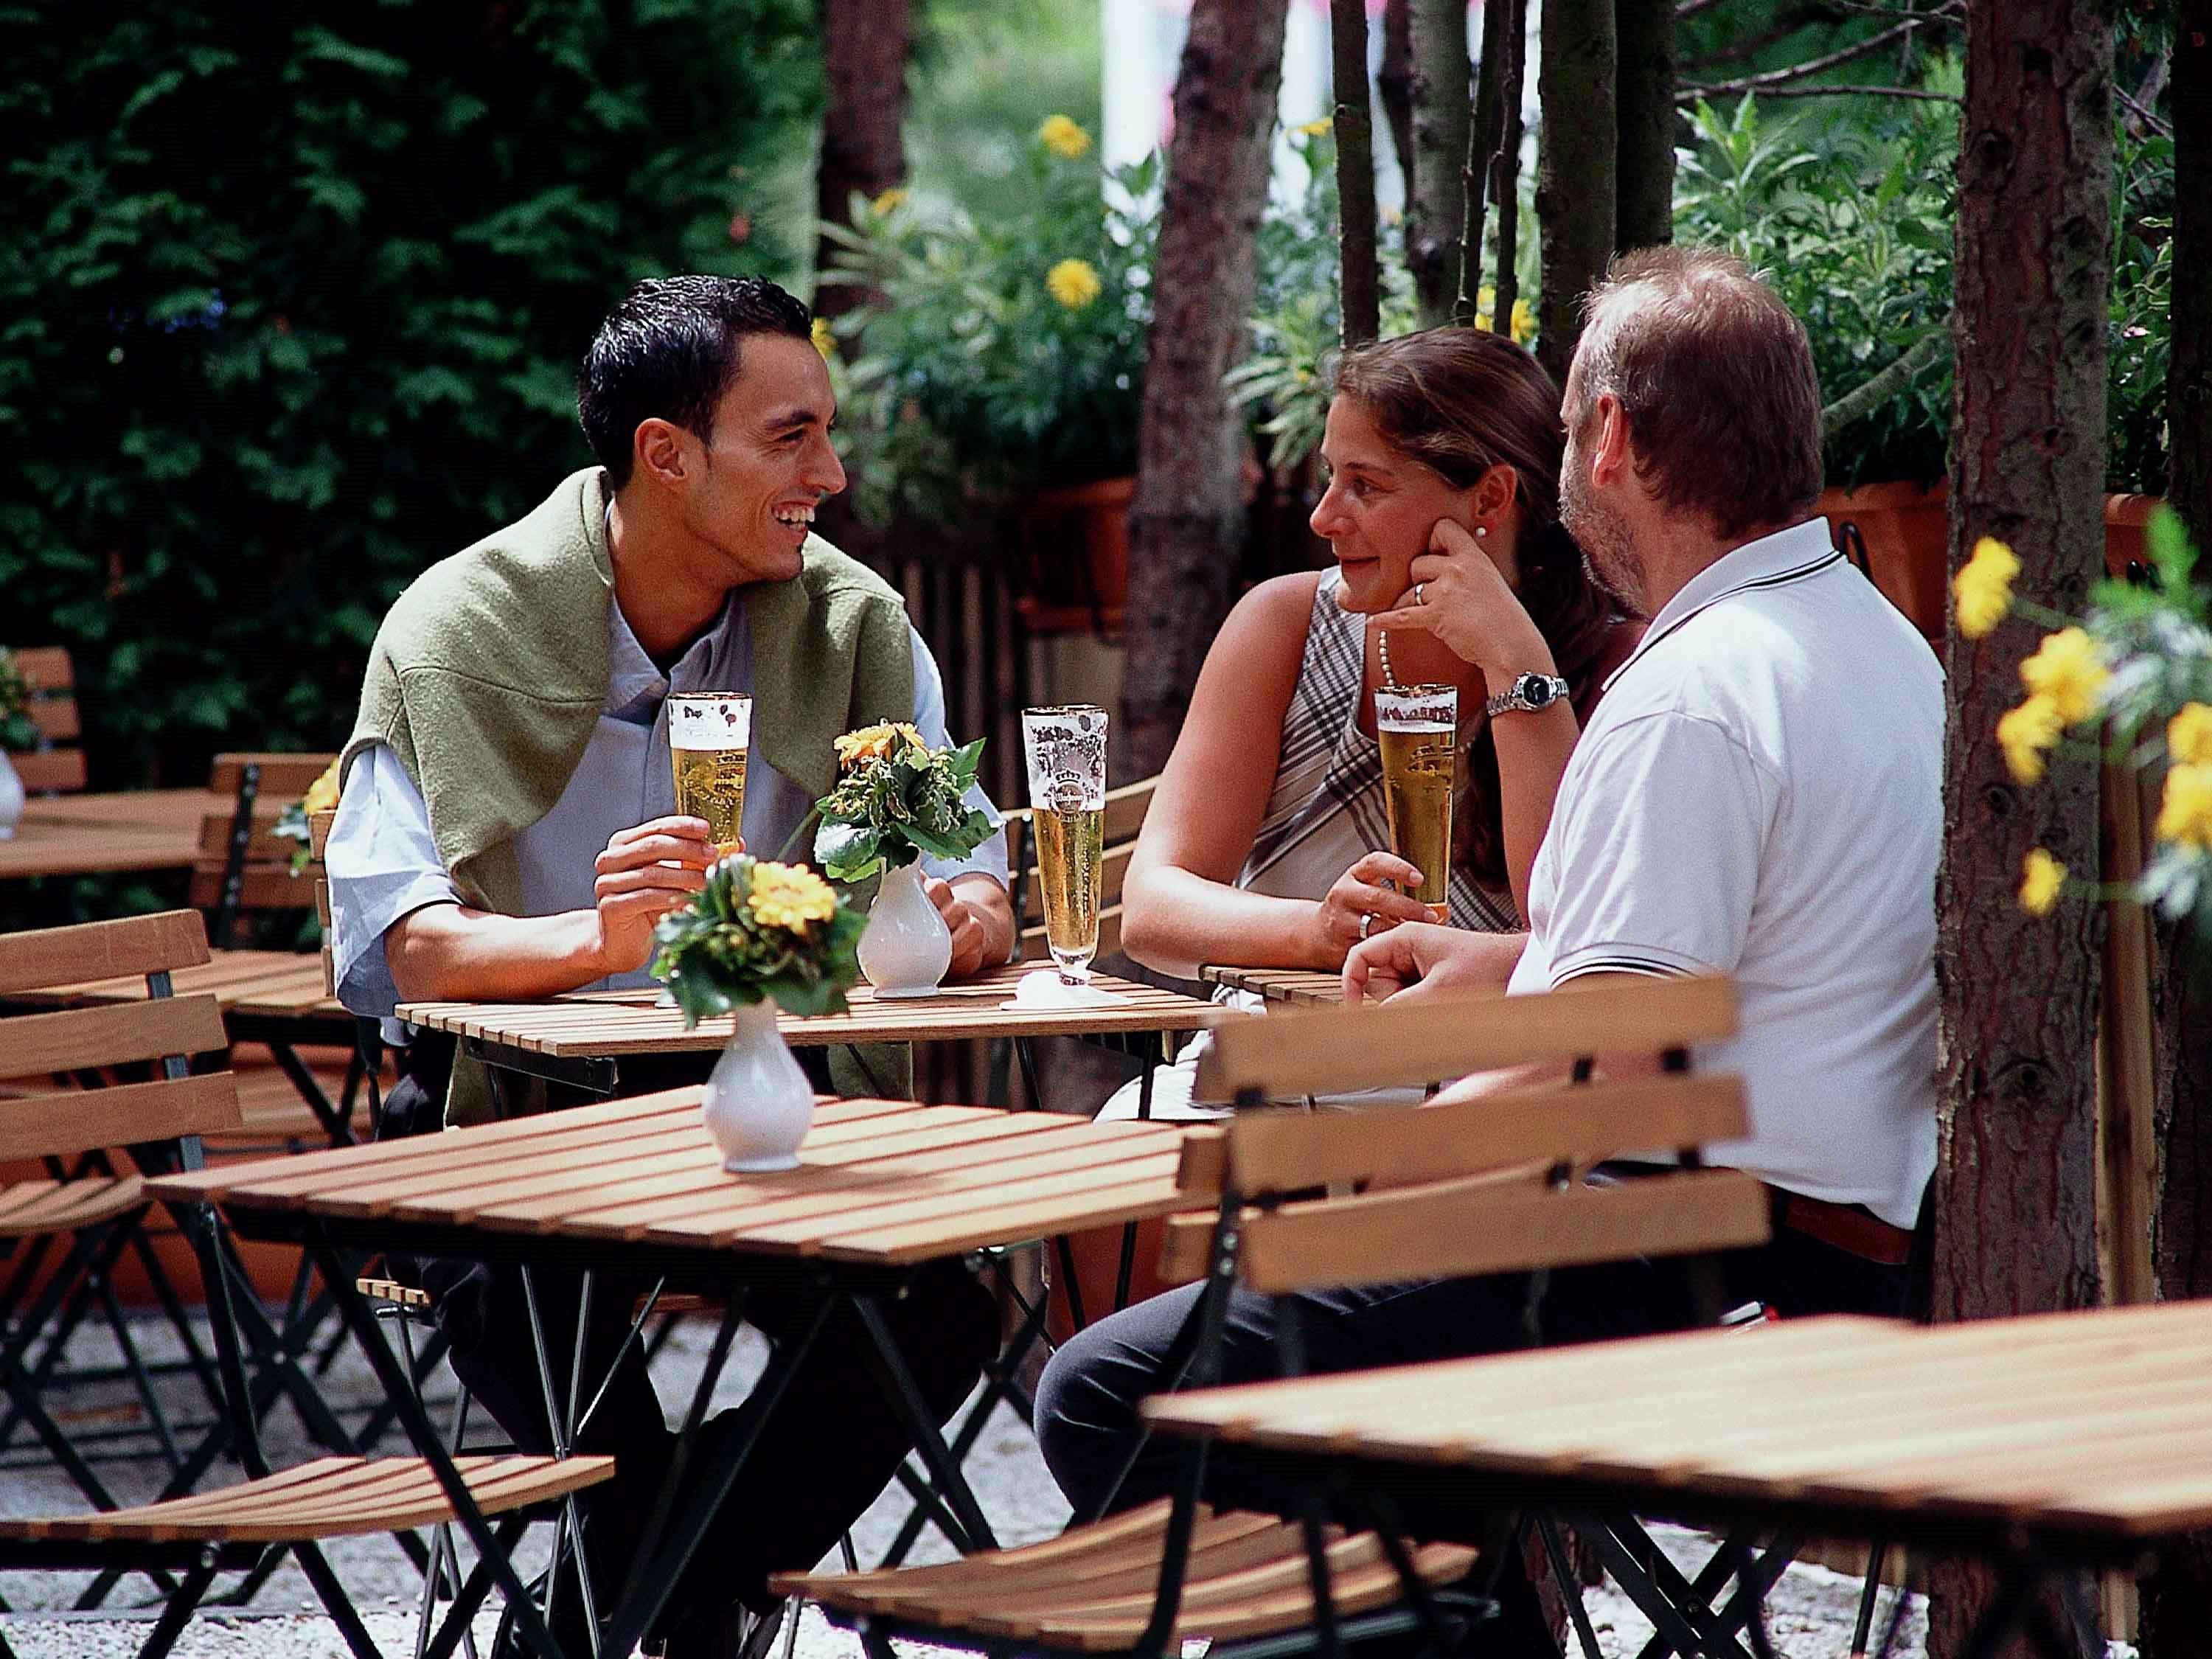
[(1481, 532)]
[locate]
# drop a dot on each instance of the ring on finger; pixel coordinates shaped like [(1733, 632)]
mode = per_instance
[(1366, 921), (1420, 596)]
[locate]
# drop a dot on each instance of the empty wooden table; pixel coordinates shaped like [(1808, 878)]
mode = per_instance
[(583, 1040), (884, 1187), (87, 834), (2047, 1444)]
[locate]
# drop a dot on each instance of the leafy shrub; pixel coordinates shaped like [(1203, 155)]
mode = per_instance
[(291, 302)]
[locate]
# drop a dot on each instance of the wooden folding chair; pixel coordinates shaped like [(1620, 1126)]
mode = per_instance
[(1307, 1202), (57, 765), (184, 1542)]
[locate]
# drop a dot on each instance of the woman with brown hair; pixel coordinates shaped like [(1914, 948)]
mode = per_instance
[(1267, 844)]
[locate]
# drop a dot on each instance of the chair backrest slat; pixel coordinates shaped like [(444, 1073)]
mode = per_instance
[(260, 887), (70, 1120), (284, 777), (58, 764), (1454, 1228), (264, 864), (1284, 1151), (102, 950), (1433, 1040), (116, 1034), (49, 771)]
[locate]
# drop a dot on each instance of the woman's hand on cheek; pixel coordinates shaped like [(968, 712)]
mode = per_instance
[(1460, 596)]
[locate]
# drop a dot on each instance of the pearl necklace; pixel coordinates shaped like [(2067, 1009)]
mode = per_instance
[(1382, 649)]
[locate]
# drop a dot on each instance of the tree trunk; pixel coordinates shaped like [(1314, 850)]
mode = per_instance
[(1360, 284), (1436, 204), (1186, 524), (865, 43), (2015, 1188), (1505, 171), (1393, 81), (2175, 1598), (1644, 165), (1575, 191), (1481, 160)]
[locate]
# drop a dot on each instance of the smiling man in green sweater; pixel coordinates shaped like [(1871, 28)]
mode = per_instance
[(507, 829)]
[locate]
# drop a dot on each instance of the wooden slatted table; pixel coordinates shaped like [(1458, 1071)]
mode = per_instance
[(581, 1039), (87, 834), (883, 1188), (1292, 987), (2063, 1441)]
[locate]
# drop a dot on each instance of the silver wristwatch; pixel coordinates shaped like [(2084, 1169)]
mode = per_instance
[(1528, 693)]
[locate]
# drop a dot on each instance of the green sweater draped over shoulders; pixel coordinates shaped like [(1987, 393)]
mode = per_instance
[(488, 675)]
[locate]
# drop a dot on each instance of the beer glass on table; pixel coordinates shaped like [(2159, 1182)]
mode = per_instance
[(1418, 726), (709, 733), (1065, 749)]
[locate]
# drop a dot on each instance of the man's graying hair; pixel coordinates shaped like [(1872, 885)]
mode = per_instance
[(670, 349), (1715, 377)]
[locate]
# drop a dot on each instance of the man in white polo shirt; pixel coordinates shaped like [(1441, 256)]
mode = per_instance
[(1759, 794)]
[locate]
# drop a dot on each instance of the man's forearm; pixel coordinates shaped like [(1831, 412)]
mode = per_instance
[(450, 953)]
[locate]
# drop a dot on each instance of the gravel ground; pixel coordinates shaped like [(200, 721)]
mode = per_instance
[(1810, 1611)]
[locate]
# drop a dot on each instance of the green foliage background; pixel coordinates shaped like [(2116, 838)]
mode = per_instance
[(291, 299)]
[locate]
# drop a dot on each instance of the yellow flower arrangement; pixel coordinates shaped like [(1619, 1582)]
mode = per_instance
[(322, 794), (2189, 735), (889, 203), (875, 742), (1982, 586), (1064, 137), (790, 896), (2185, 816), (2042, 877), (2070, 670), (1073, 282), (2025, 734), (825, 341)]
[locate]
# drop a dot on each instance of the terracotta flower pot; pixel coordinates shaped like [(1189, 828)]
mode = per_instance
[(1904, 531), (1078, 544)]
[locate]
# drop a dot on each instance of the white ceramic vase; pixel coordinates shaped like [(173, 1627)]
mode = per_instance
[(758, 1103), (11, 799), (907, 946)]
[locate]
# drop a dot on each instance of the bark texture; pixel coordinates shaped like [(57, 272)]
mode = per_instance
[(865, 43), (1186, 524), (1360, 283), (1575, 178), (1393, 83), (1505, 167), (1643, 163), (2177, 1600), (1482, 140), (2015, 1188), (1436, 204)]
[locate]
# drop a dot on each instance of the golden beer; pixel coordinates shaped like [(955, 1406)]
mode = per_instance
[(1418, 729), (1071, 868), (708, 733), (710, 784)]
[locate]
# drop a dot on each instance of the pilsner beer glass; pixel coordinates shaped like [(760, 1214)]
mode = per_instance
[(1418, 726), (708, 735), (1066, 748)]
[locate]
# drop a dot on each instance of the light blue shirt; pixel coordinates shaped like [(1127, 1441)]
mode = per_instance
[(383, 864)]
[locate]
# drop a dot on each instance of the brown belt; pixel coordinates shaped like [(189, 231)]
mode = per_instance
[(1846, 1227)]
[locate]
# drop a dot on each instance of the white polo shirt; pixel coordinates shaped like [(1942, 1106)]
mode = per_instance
[(1760, 794)]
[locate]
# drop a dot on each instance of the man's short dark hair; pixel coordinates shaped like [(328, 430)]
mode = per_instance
[(671, 349), (1715, 377)]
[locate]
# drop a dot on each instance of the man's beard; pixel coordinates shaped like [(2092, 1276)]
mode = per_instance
[(1602, 533)]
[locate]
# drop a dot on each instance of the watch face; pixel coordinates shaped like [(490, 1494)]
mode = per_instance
[(1534, 690)]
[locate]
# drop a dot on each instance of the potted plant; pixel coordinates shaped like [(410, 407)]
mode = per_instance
[(895, 800), (1002, 362), (19, 733), (1855, 235), (759, 936)]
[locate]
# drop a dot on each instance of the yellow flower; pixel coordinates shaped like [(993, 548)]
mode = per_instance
[(323, 794), (2189, 735), (889, 203), (874, 742), (1317, 129), (1073, 283), (788, 896), (1063, 137), (825, 342), (2025, 733), (1982, 586), (2186, 814), (2068, 669), (2042, 877), (1524, 323)]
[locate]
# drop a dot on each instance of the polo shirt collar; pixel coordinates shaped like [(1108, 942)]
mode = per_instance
[(1787, 555)]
